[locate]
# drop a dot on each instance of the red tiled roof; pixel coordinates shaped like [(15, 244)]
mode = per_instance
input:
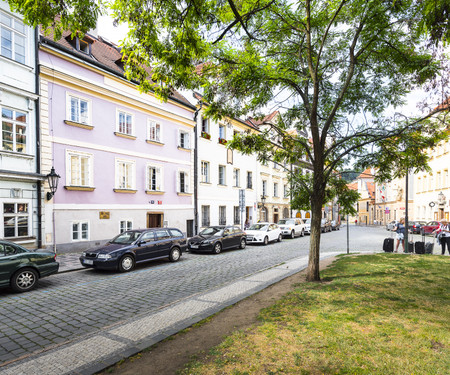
[(103, 52)]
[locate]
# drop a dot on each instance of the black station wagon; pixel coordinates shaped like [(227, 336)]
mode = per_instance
[(136, 246)]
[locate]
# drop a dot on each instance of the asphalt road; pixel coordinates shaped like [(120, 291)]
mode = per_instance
[(68, 305)]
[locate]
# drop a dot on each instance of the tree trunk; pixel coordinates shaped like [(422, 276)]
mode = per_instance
[(317, 199)]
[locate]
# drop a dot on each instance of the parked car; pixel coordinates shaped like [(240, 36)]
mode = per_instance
[(335, 225), (217, 238), (325, 226), (136, 246), (263, 233), (307, 226), (391, 225), (292, 227), (416, 226), (21, 268), (429, 227)]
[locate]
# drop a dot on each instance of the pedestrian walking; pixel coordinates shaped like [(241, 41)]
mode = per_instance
[(400, 230), (443, 233)]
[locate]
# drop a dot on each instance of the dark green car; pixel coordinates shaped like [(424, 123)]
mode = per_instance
[(21, 268)]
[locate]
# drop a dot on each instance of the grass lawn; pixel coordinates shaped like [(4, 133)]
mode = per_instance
[(371, 314)]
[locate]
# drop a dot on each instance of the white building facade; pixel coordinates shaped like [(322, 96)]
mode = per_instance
[(20, 177)]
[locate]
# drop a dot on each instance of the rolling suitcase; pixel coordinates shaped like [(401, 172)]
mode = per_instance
[(388, 245), (429, 248), (410, 247), (420, 245)]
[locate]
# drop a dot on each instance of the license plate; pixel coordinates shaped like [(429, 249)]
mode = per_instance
[(194, 246), (88, 261)]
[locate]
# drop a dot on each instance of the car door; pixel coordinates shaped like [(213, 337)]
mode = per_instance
[(146, 247), (272, 232), (163, 241), (227, 238), (9, 261)]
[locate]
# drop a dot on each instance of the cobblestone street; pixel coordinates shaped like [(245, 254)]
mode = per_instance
[(72, 305)]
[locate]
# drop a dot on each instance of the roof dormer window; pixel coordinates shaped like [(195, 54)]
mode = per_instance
[(83, 46)]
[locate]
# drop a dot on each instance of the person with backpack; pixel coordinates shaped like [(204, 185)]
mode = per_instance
[(400, 230), (444, 235)]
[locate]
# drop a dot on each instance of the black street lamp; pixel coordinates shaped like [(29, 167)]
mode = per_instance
[(263, 209), (53, 180)]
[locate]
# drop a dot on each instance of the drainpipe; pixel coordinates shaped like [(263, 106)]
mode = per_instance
[(196, 168), (38, 138)]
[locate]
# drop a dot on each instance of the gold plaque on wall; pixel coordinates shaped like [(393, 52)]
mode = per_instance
[(104, 215)]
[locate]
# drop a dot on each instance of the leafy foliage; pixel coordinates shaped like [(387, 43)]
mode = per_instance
[(331, 68)]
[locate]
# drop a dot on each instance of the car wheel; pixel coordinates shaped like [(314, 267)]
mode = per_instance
[(24, 280), (280, 237), (292, 234), (175, 254), (242, 244), (266, 241), (126, 263), (302, 233), (217, 248)]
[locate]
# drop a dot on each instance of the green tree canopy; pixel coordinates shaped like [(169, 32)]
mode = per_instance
[(331, 67)]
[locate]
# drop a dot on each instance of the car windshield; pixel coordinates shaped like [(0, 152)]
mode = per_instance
[(211, 231), (126, 238), (259, 227), (308, 221), (284, 221)]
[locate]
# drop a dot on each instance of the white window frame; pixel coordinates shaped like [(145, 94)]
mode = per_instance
[(86, 120), (249, 185), (285, 191), (187, 139), (159, 177), (129, 185), (236, 177), (118, 130), (205, 125), (205, 169), (15, 216), (69, 172), (222, 132), (206, 215), (128, 223), (224, 175), (264, 188), (275, 189), (222, 215), (79, 224), (18, 30), (153, 124), (186, 185), (16, 125)]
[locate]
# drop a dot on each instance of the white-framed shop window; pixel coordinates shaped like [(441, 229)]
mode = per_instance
[(125, 174), (78, 109), (222, 215), (79, 169), (80, 231), (125, 123), (14, 130), (13, 38), (16, 219), (154, 179), (154, 131), (125, 225)]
